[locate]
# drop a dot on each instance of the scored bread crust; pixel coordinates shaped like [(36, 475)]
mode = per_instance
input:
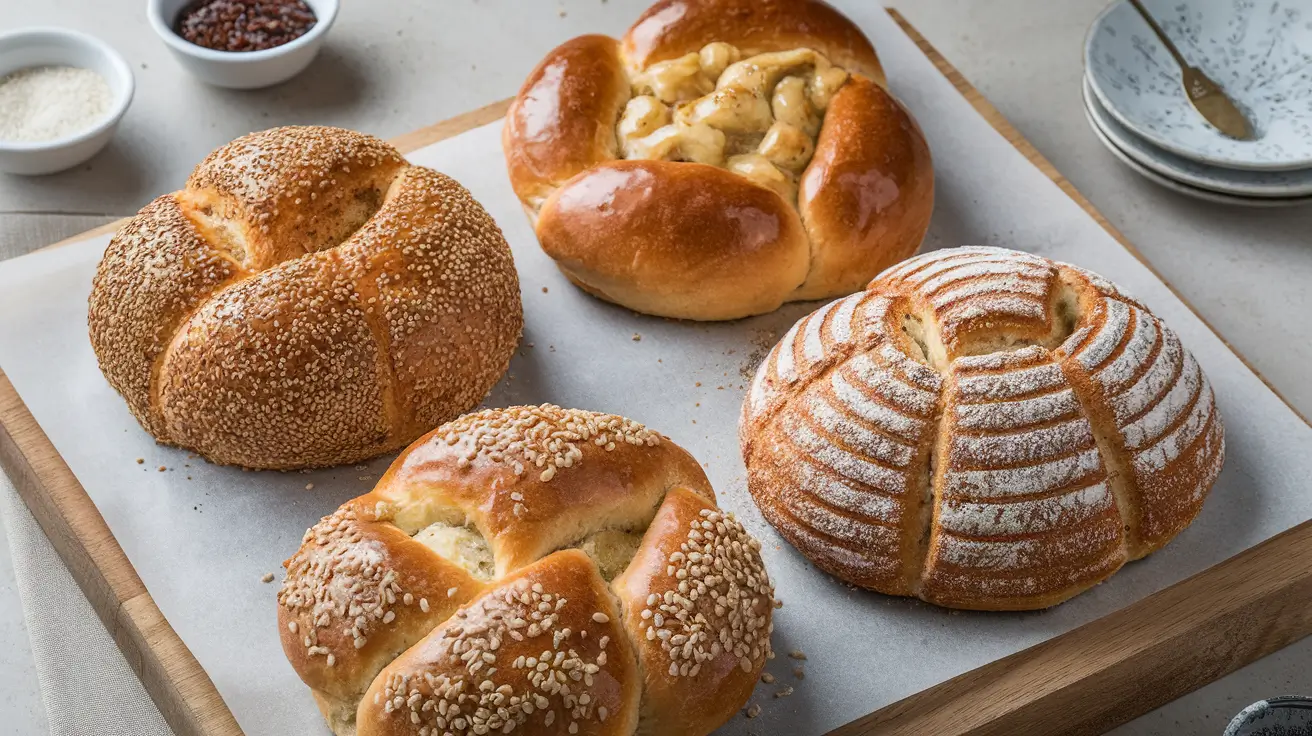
[(308, 299), (864, 201), (390, 635), (983, 429)]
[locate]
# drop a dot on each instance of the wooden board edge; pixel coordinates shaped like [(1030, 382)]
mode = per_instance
[(1127, 663), (405, 143), (1027, 149), (416, 140), (174, 679)]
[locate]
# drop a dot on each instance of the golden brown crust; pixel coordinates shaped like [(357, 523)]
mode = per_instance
[(672, 28), (322, 303), (666, 137), (362, 590), (159, 265), (694, 680), (868, 194), (568, 669), (1071, 432), (676, 239), (618, 473), (285, 192), (538, 625), (563, 120)]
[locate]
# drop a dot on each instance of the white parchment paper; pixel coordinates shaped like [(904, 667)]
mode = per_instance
[(201, 536)]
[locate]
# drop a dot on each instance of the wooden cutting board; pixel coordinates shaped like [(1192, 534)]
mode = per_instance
[(1085, 681)]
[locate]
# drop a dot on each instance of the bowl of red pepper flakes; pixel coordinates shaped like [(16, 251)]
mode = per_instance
[(243, 44)]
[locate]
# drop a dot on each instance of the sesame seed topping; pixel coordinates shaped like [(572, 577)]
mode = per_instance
[(463, 691), (217, 301), (544, 437), (721, 602)]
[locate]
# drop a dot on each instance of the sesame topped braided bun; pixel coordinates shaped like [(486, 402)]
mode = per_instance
[(721, 158), (308, 299), (534, 570)]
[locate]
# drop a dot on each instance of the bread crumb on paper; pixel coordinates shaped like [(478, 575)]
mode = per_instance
[(268, 578)]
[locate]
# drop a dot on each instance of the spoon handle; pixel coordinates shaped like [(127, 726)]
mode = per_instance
[(1179, 59)]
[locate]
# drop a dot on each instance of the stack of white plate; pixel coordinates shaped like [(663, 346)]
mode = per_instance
[(1261, 55)]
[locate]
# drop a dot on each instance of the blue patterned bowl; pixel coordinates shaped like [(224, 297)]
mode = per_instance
[(1259, 51)]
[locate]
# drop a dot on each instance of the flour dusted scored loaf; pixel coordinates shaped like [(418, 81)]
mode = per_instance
[(722, 158), (530, 570), (981, 428), (308, 299)]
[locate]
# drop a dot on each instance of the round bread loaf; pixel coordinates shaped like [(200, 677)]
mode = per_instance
[(722, 158), (308, 299), (534, 570), (981, 428)]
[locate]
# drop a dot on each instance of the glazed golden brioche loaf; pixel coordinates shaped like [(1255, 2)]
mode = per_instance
[(981, 428), (722, 158), (532, 570), (308, 299)]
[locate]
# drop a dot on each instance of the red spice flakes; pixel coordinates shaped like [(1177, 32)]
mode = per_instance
[(244, 25)]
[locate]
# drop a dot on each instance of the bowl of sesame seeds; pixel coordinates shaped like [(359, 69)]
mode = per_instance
[(62, 94), (242, 44)]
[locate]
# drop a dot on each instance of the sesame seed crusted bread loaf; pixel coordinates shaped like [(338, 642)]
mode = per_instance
[(981, 428), (722, 158), (533, 570), (308, 299)]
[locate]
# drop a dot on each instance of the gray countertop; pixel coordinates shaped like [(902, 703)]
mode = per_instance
[(391, 66)]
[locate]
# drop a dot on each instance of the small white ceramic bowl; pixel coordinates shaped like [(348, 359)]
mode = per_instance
[(242, 69), (60, 47)]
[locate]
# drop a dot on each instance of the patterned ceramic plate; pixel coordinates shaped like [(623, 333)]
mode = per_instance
[(1228, 181), (1259, 51), (1288, 715), (1186, 189)]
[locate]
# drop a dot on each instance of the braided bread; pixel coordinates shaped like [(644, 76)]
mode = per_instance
[(983, 429), (308, 299), (724, 157), (536, 570)]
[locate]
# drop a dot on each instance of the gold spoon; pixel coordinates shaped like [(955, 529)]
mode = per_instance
[(1206, 96)]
